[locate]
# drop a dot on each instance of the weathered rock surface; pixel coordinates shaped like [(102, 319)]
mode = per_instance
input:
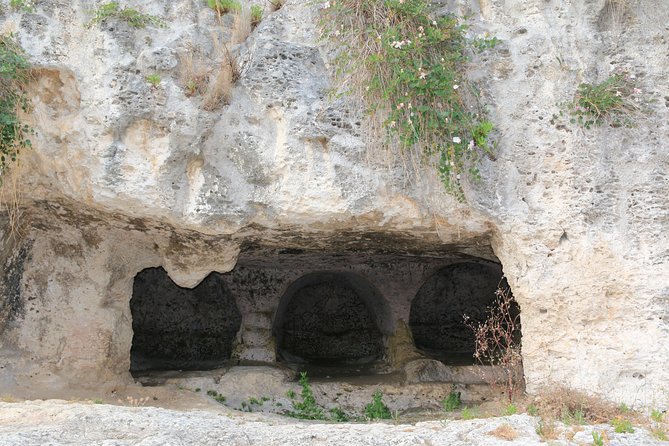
[(54, 422), (125, 176)]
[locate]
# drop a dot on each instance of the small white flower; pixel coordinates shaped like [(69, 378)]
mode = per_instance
[(456, 86), (457, 140), (434, 22)]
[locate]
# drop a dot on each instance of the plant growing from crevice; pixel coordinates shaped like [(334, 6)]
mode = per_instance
[(225, 6), (256, 15), (409, 66), (15, 73), (597, 438), (622, 426), (377, 410), (216, 396), (131, 16), (613, 101), (275, 5), (307, 409), (338, 415), (154, 80), (21, 5), (497, 341), (452, 401)]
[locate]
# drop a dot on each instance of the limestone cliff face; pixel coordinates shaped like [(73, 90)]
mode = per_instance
[(125, 175)]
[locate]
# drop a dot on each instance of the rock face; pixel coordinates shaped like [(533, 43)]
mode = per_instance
[(125, 175)]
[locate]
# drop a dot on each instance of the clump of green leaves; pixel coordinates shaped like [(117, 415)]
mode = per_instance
[(576, 416), (21, 5), (532, 410), (510, 409), (256, 15), (622, 425), (131, 16), (660, 434), (611, 102), (656, 415), (153, 79), (216, 396), (377, 410), (409, 66), (452, 401), (468, 414), (225, 6), (306, 409), (14, 77), (338, 415), (597, 438)]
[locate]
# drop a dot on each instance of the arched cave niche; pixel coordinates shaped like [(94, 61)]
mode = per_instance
[(177, 328), (332, 319), (437, 312)]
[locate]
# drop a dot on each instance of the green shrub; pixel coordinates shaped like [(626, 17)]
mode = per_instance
[(621, 426), (510, 409), (377, 410), (452, 401), (131, 16), (307, 409), (21, 5), (153, 79), (256, 15), (609, 102), (215, 395), (409, 67), (468, 414), (14, 78), (656, 415), (225, 6), (532, 410), (597, 439), (338, 415), (576, 416)]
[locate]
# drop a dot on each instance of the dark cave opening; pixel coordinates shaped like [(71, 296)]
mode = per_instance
[(332, 319), (438, 310), (177, 328)]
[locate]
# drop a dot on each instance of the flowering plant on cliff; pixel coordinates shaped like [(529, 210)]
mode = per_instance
[(409, 66)]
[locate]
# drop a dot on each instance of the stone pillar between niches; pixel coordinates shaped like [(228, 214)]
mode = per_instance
[(401, 347), (255, 341)]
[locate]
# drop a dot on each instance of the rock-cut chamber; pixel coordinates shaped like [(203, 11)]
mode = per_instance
[(180, 328), (331, 318), (441, 304)]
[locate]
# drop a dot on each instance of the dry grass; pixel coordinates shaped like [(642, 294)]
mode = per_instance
[(504, 432), (617, 10), (567, 405), (11, 199), (241, 26), (193, 72), (275, 5), (219, 89), (547, 430)]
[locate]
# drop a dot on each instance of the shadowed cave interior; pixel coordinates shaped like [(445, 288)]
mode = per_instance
[(309, 309)]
